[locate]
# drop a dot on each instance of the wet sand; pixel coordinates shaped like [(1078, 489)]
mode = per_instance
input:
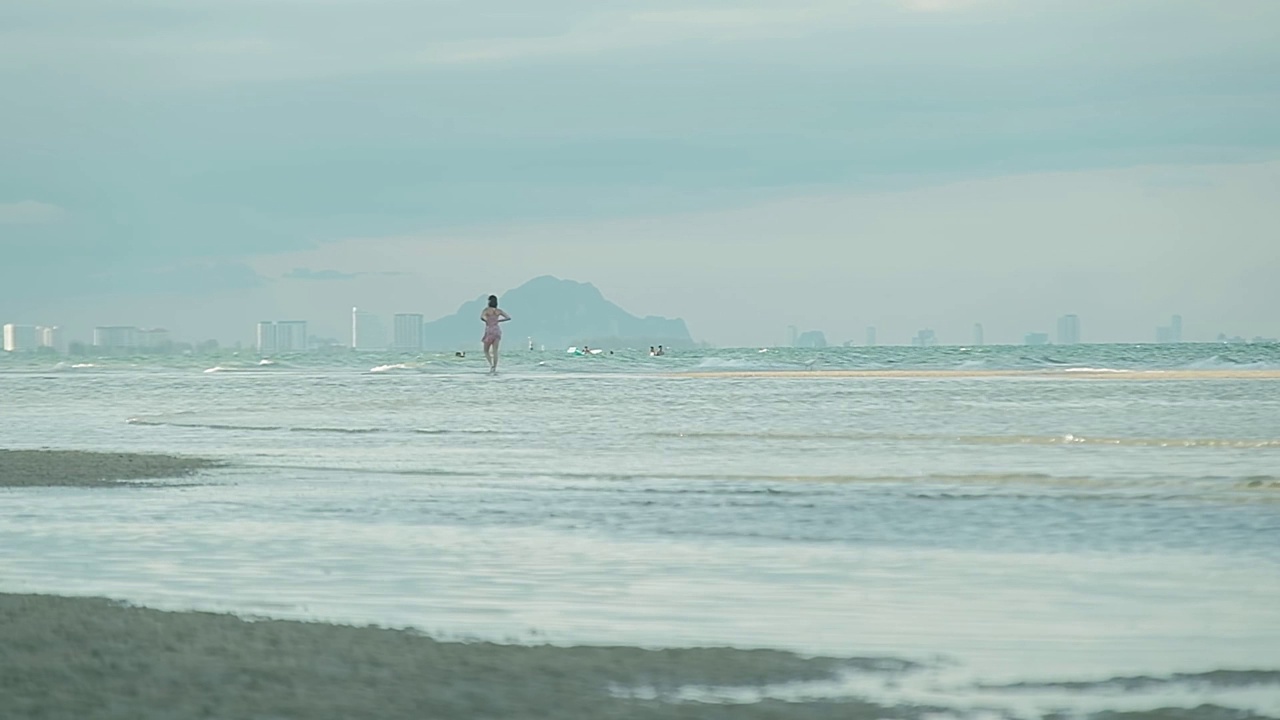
[(78, 658), (77, 468), (1082, 374)]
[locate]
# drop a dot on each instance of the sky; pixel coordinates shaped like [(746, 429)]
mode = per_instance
[(747, 166)]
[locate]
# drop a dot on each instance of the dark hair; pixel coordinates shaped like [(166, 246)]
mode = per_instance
[(493, 301)]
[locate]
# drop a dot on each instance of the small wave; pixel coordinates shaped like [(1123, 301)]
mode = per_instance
[(347, 431), (1065, 439), (1213, 678), (1095, 370), (63, 365), (1217, 362), (146, 422), (208, 426), (723, 363), (1044, 360), (397, 367)]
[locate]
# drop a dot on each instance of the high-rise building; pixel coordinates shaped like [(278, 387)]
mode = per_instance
[(291, 336), (1036, 338), (1068, 330), (366, 331), (977, 334), (52, 338), (152, 338), (115, 337), (20, 338), (266, 337), (925, 338), (871, 335), (1171, 333), (407, 332), (282, 336)]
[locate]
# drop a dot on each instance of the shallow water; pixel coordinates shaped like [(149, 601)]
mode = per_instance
[(998, 528)]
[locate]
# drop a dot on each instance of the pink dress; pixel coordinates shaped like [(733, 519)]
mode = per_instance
[(492, 333)]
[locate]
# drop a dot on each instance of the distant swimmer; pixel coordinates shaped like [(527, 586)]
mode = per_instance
[(491, 316)]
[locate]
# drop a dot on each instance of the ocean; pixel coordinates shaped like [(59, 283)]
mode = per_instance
[(1076, 529)]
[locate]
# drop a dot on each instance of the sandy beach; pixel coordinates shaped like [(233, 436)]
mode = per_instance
[(76, 468), (85, 658)]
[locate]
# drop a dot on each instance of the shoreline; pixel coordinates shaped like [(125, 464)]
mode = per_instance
[(94, 657), (86, 469), (1066, 374)]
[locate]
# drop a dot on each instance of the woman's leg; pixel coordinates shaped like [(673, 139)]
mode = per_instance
[(493, 361)]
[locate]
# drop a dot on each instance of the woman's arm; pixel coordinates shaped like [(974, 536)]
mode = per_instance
[(503, 316)]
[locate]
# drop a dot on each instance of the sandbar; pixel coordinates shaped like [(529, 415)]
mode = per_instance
[(65, 657), (79, 468)]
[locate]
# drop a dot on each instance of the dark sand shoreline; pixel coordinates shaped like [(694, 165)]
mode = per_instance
[(64, 657), (79, 468)]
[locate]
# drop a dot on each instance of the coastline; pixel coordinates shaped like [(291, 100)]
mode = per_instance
[(94, 657), (1067, 374), (80, 468)]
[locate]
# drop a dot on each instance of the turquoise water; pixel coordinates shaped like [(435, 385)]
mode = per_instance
[(1186, 356), (1000, 515)]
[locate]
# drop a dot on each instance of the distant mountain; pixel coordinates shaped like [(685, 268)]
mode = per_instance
[(558, 314)]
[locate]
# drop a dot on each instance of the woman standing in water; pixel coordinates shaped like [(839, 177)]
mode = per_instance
[(491, 316)]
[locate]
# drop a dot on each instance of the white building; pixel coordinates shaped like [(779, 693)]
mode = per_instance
[(115, 337), (1068, 330), (52, 338), (978, 338), (291, 336), (407, 332), (266, 337), (282, 336), (152, 338), (20, 338), (366, 331)]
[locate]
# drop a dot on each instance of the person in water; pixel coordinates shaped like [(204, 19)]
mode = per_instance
[(491, 316)]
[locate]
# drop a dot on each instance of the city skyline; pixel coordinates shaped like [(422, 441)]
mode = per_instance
[(368, 332)]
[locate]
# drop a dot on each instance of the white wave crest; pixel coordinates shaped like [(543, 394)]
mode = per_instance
[(716, 362)]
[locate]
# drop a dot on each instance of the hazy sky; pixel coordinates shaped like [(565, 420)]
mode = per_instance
[(203, 164)]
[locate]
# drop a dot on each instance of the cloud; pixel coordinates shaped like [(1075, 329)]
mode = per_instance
[(937, 5), (192, 278), (29, 212), (308, 274), (301, 273)]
